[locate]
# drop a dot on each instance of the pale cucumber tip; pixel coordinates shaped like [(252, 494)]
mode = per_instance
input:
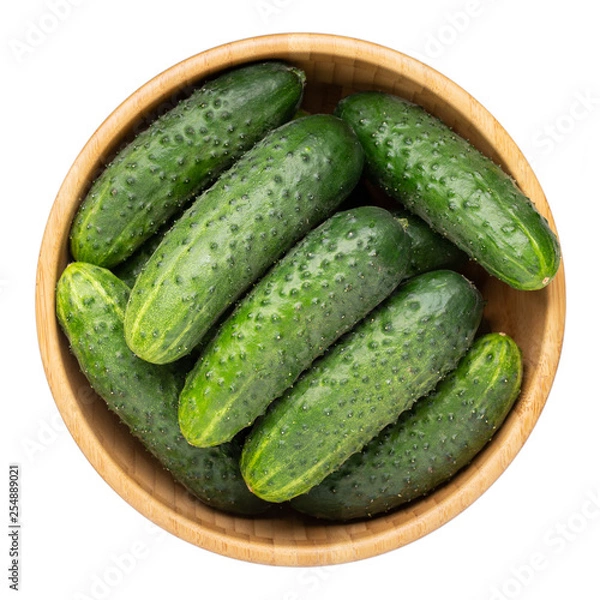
[(204, 437)]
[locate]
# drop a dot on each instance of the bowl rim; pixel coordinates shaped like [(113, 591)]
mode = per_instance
[(427, 516)]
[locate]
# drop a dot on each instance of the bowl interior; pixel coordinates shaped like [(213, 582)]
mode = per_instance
[(334, 66)]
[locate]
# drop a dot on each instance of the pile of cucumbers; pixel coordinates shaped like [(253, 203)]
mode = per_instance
[(271, 333)]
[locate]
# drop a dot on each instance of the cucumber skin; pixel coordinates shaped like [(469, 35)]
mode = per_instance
[(328, 282), (371, 375), (430, 443), (165, 166), (90, 305), (129, 270), (429, 250), (278, 191), (419, 161)]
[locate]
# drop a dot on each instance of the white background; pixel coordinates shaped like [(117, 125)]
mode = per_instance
[(535, 533)]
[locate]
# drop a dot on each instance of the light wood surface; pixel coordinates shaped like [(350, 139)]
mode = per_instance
[(335, 66)]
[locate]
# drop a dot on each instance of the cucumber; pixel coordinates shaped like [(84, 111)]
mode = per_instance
[(458, 191), (280, 189), (129, 269), (429, 250), (429, 444), (181, 152), (90, 306), (395, 355), (329, 281)]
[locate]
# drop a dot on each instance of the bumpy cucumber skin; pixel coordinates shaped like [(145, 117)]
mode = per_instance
[(90, 305), (254, 213), (429, 444), (429, 251), (458, 191), (371, 375), (128, 271), (328, 282), (184, 150)]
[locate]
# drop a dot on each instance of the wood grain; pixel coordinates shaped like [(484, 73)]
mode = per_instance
[(335, 66)]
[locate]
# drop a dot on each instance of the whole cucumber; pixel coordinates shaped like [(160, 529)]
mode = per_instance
[(165, 166), (429, 444), (320, 289), (458, 191), (90, 306), (278, 191), (397, 354)]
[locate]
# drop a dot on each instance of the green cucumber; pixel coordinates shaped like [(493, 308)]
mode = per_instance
[(328, 282), (90, 306), (278, 191), (429, 444), (165, 166), (429, 250), (459, 192), (129, 269), (395, 355)]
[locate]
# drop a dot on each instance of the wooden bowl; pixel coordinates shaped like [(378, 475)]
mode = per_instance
[(335, 66)]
